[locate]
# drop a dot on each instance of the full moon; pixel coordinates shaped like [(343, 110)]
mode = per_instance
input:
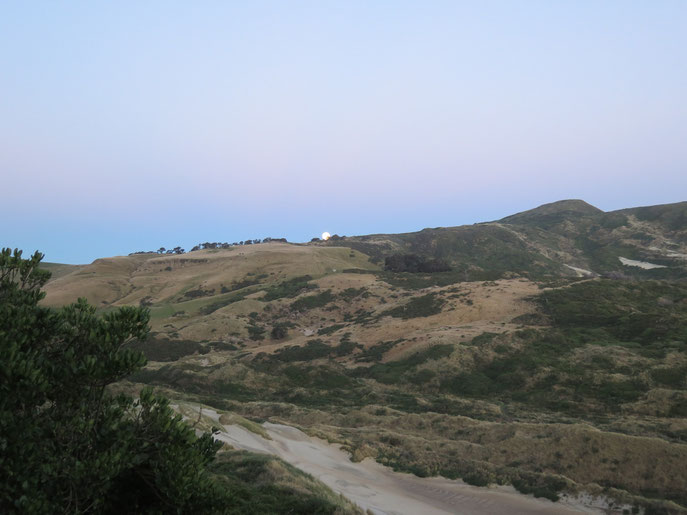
[(326, 236)]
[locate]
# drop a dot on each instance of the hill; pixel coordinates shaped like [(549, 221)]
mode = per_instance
[(566, 238), (540, 358), (555, 212)]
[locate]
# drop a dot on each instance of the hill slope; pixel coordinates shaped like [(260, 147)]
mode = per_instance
[(547, 241), (519, 365), (555, 212)]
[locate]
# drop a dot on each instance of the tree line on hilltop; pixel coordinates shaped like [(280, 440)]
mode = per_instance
[(209, 245), (333, 237)]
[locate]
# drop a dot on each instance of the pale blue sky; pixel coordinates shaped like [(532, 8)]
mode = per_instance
[(132, 125)]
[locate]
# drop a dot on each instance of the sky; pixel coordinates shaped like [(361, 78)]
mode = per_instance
[(127, 126)]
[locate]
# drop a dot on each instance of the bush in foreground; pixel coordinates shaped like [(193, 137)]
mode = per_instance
[(67, 445)]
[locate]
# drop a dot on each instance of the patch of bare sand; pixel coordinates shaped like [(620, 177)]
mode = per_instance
[(641, 264), (581, 272)]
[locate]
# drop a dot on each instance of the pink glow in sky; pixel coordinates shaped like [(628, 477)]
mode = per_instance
[(134, 125)]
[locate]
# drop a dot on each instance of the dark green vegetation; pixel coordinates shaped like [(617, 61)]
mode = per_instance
[(414, 264), (314, 349), (67, 445), (393, 372), (265, 484), (279, 331), (412, 281), (312, 301), (651, 314), (165, 350), (424, 306), (290, 288), (469, 251), (672, 217), (256, 332), (329, 330), (577, 232), (376, 352), (225, 301)]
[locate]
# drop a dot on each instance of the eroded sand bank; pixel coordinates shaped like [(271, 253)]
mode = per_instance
[(379, 489)]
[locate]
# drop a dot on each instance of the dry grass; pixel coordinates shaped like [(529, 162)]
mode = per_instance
[(125, 280), (629, 451)]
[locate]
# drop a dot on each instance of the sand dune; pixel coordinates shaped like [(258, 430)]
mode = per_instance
[(379, 489)]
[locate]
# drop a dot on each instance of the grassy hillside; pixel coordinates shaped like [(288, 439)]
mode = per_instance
[(547, 241), (669, 217), (58, 269), (509, 368)]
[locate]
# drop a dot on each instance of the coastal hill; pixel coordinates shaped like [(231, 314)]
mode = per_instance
[(546, 350)]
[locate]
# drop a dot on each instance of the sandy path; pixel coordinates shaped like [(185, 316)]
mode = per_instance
[(379, 489)]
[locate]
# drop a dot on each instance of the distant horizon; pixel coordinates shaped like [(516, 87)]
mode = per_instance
[(131, 126), (188, 248)]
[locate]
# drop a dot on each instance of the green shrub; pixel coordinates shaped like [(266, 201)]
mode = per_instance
[(279, 331), (351, 293), (422, 376), (164, 350), (256, 332), (290, 288), (476, 479), (483, 338), (222, 346), (325, 378), (376, 352), (314, 349), (197, 293), (230, 299), (672, 377), (424, 306), (539, 486), (329, 330), (472, 383), (345, 348), (260, 483), (313, 301), (415, 264), (393, 371)]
